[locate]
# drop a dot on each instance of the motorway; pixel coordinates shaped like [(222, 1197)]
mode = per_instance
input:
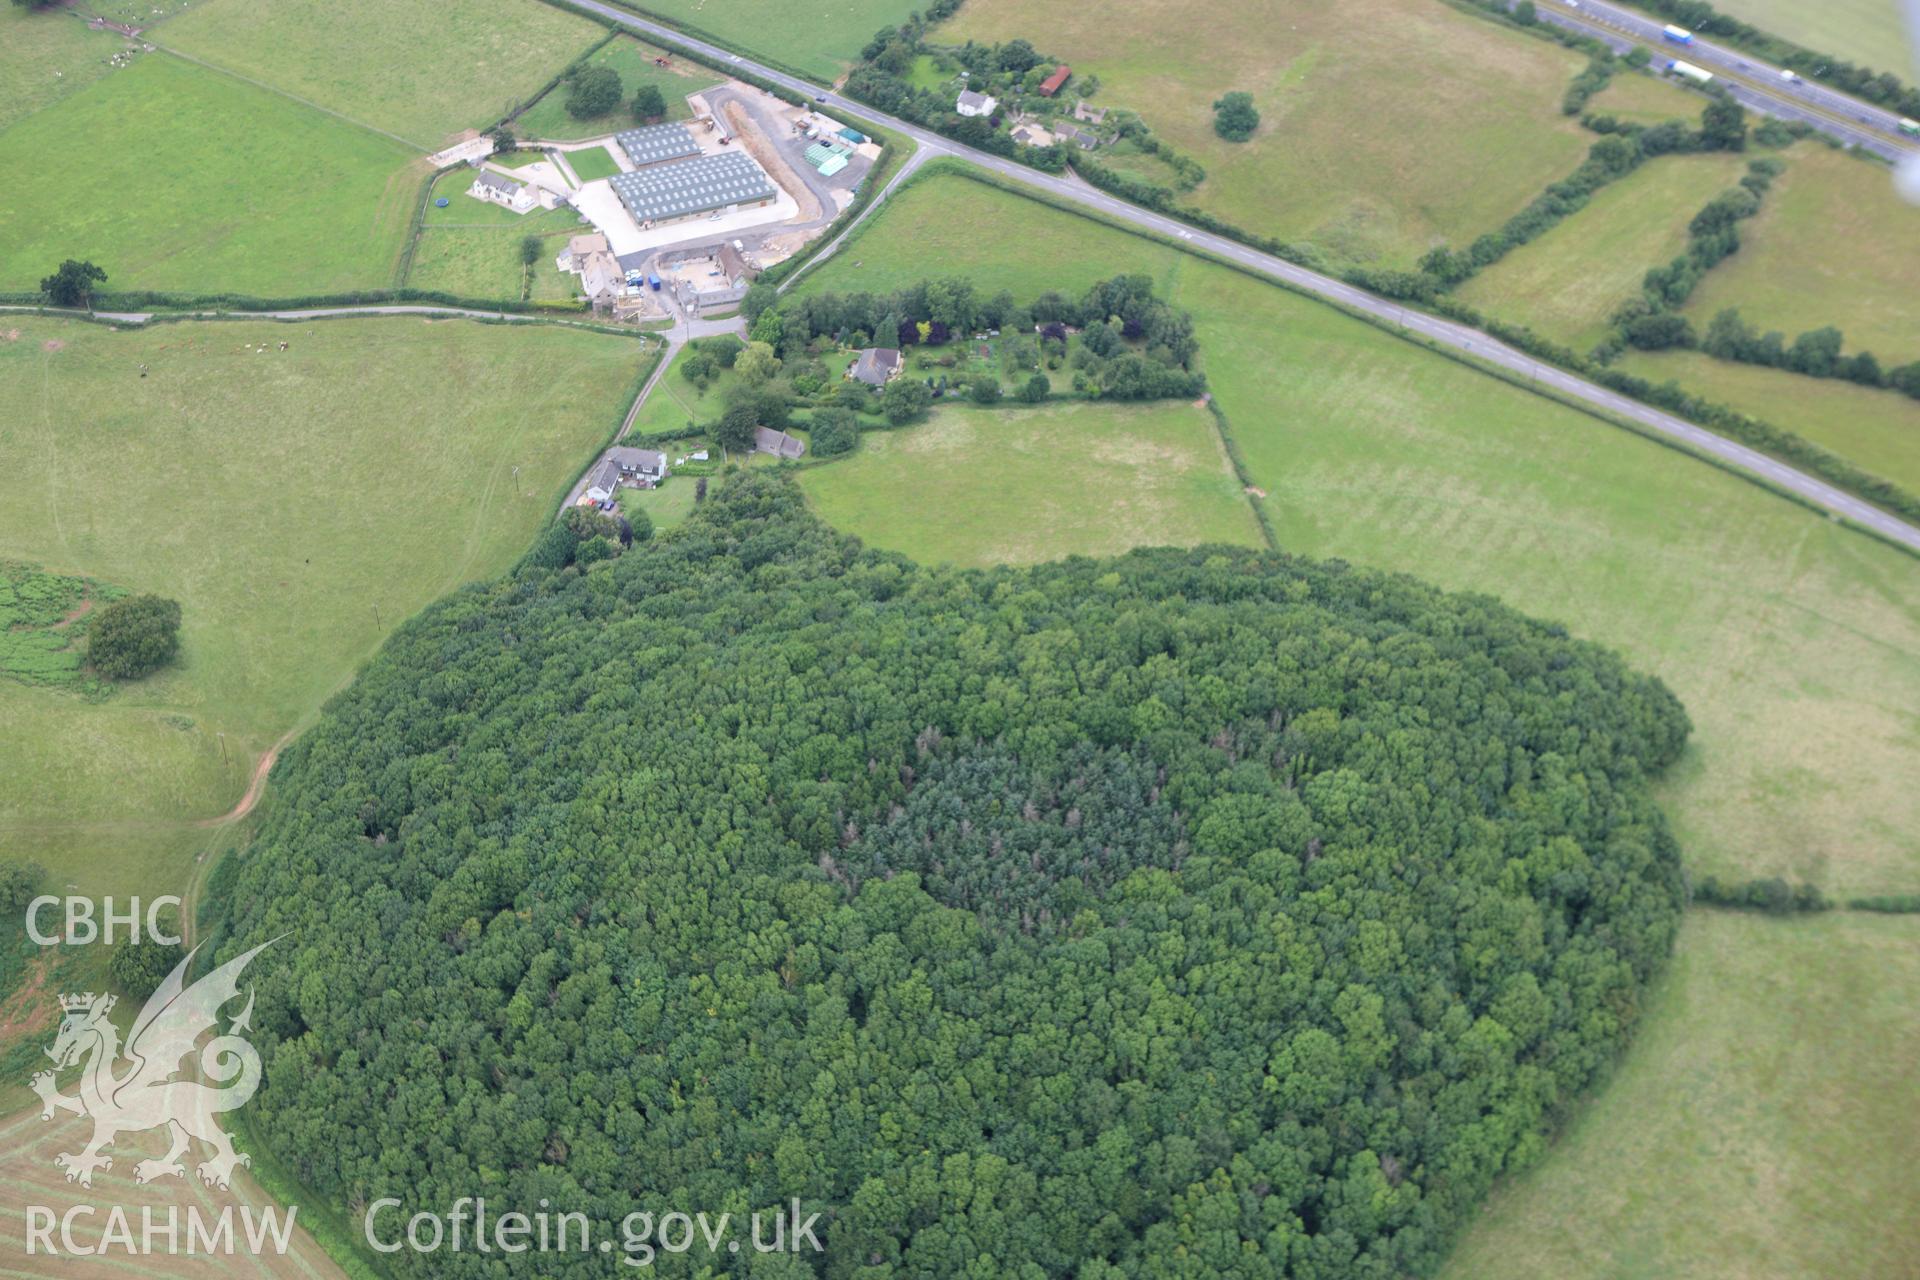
[(1753, 83), (1442, 333)]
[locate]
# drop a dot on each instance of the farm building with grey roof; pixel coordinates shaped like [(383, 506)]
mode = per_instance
[(682, 188), (657, 143)]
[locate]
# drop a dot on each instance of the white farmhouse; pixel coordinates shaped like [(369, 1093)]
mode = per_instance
[(975, 104), (495, 189)]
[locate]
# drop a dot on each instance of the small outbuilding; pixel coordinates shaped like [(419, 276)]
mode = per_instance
[(778, 443)]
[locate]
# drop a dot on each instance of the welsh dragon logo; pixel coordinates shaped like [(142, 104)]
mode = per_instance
[(147, 1095)]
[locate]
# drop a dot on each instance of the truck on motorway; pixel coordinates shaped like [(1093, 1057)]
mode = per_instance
[(1910, 127), (1679, 35), (1691, 72)]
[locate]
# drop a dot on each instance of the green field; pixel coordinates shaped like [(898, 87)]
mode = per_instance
[(1877, 430), (1762, 1125), (421, 70), (484, 262), (299, 504), (47, 55), (1832, 245), (820, 42), (1566, 284), (1345, 157), (1018, 486), (1646, 99), (547, 119), (1866, 32), (173, 196), (675, 402), (590, 163), (1794, 644)]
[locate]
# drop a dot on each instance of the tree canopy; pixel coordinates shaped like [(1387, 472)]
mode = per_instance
[(1234, 116), (1192, 913), (592, 92), (133, 637), (72, 285)]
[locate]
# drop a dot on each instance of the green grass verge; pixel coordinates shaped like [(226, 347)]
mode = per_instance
[(1567, 284), (1349, 155), (1020, 485), (548, 119), (419, 69), (1878, 430), (1762, 1125), (1794, 642), (299, 504), (175, 194)]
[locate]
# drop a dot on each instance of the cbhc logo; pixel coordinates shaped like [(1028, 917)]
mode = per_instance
[(82, 927)]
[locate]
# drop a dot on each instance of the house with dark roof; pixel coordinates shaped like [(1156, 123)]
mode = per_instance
[(1078, 137), (876, 366), (642, 467), (975, 104), (778, 443), (1055, 82)]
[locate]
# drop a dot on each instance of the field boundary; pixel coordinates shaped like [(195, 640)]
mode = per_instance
[(1255, 496)]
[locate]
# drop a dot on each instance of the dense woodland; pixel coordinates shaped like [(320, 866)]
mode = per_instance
[(1195, 913)]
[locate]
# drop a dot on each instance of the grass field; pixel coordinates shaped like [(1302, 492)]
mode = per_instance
[(47, 55), (1832, 245), (1794, 644), (1866, 32), (422, 70), (589, 163), (820, 42), (172, 195), (1065, 479), (1350, 154), (1567, 283), (1877, 430), (1762, 1126), (1646, 99), (548, 119), (484, 262), (675, 402), (299, 504)]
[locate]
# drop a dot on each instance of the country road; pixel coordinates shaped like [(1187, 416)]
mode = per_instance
[(1457, 337)]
